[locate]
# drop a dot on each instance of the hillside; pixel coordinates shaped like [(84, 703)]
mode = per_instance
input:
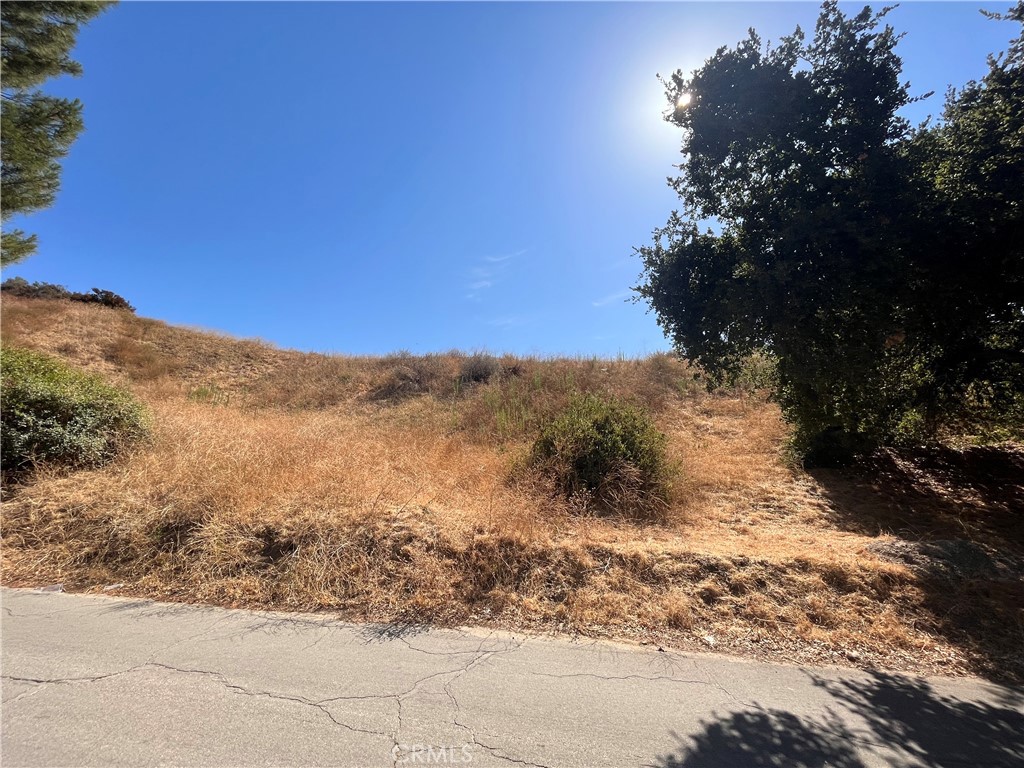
[(382, 489)]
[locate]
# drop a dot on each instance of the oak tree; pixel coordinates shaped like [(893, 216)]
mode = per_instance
[(877, 263)]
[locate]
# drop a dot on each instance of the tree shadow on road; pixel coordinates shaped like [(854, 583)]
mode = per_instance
[(912, 722), (763, 739), (933, 728)]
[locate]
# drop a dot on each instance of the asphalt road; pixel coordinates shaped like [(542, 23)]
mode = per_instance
[(105, 681)]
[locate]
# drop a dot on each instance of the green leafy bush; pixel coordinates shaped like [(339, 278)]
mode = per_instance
[(608, 452), (54, 414)]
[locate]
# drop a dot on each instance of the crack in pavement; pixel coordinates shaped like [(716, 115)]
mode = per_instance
[(412, 647), (713, 681), (220, 678), (427, 690), (278, 696), (397, 696), (46, 615), (657, 678), (189, 639), (61, 680), (24, 694), (400, 697), (478, 656), (397, 749), (494, 751), (320, 637)]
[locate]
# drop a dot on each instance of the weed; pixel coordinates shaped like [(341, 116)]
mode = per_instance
[(210, 394)]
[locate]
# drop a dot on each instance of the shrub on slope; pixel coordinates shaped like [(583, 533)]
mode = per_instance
[(608, 451), (54, 414)]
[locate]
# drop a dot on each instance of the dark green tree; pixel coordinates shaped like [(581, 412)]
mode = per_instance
[(970, 296), (818, 226), (36, 130)]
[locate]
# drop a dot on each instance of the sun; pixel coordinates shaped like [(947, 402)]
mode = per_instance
[(684, 100)]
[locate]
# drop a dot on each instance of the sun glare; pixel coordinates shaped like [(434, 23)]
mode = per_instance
[(684, 100)]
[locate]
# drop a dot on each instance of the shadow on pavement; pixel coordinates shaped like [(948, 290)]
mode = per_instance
[(764, 739), (907, 718), (934, 728)]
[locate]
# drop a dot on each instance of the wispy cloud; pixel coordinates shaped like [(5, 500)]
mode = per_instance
[(611, 298), (488, 272), (504, 257), (508, 321)]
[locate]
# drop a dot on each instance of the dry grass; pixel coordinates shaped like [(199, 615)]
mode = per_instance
[(379, 487)]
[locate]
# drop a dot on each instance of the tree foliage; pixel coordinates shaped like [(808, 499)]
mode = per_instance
[(970, 296), (879, 264), (36, 130)]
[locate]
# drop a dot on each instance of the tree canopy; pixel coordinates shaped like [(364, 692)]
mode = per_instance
[(36, 130), (878, 263)]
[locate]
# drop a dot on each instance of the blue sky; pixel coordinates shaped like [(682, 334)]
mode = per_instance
[(364, 178)]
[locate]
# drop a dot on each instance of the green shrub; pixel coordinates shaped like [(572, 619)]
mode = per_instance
[(54, 414), (606, 451)]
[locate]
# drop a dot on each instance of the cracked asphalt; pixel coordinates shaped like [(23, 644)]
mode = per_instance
[(91, 680)]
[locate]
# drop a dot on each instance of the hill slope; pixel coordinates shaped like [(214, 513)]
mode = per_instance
[(380, 488)]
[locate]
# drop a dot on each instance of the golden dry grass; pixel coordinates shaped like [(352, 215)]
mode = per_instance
[(379, 487)]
